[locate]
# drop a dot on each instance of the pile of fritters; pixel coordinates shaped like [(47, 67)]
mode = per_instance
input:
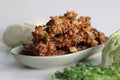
[(63, 35)]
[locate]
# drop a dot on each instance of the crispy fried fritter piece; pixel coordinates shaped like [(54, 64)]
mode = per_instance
[(63, 35), (57, 25), (71, 15), (39, 34)]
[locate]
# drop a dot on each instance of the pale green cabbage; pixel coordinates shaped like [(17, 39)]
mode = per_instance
[(111, 50), (17, 34)]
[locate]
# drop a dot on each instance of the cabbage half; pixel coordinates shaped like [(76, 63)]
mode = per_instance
[(18, 34), (111, 50)]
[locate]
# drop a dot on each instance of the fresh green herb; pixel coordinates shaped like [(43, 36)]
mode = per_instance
[(83, 71)]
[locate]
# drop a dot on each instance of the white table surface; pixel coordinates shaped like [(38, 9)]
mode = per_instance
[(105, 16)]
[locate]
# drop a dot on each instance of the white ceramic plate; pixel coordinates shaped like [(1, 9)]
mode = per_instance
[(43, 62)]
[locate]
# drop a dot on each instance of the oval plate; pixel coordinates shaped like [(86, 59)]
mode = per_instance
[(44, 62)]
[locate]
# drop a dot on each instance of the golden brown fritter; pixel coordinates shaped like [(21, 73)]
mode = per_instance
[(63, 35)]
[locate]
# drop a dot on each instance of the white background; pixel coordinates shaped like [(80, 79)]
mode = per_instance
[(105, 16)]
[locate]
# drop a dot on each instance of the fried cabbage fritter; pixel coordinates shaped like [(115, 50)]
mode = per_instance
[(63, 35)]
